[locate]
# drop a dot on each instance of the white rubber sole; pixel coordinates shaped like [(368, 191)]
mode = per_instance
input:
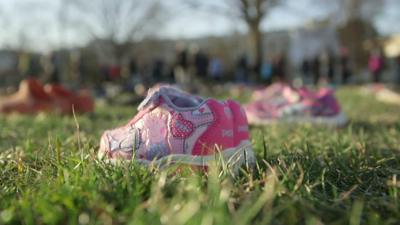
[(231, 158), (334, 121)]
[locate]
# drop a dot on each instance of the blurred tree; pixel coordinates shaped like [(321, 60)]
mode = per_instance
[(357, 28), (344, 11), (355, 25), (118, 22), (251, 12)]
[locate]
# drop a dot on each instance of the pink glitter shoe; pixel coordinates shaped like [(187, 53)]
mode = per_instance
[(297, 106), (175, 127)]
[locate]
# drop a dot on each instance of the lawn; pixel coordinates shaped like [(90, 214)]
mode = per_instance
[(304, 175)]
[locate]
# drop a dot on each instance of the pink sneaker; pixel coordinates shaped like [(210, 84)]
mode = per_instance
[(174, 127), (297, 106), (273, 91)]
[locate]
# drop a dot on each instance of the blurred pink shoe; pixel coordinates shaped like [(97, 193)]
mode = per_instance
[(175, 127), (382, 93), (273, 91), (297, 106)]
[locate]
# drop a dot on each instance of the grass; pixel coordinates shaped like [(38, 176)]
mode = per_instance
[(305, 175)]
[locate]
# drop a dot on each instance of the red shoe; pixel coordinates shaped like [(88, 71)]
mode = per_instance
[(30, 98), (65, 100)]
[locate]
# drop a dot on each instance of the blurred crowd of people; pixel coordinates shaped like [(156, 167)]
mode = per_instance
[(193, 64), (338, 68), (326, 66), (190, 65)]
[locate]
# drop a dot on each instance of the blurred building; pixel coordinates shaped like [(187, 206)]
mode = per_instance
[(311, 40)]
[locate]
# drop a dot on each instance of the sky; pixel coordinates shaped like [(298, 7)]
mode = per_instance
[(34, 24)]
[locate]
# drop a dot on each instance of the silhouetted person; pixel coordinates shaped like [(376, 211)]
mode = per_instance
[(104, 73), (327, 65), (344, 65), (279, 67), (216, 69), (171, 73), (266, 72), (242, 69), (182, 77), (201, 63), (305, 68), (157, 70), (81, 67), (375, 66), (331, 67), (182, 58), (133, 69), (34, 66), (56, 69), (316, 70), (133, 76)]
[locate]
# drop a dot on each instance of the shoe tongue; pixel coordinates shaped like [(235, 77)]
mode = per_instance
[(152, 99), (173, 97), (154, 96)]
